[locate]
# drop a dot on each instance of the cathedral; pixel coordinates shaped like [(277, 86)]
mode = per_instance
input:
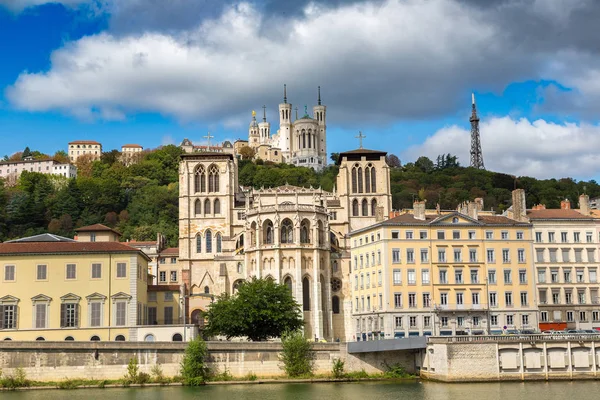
[(296, 236), (301, 141)]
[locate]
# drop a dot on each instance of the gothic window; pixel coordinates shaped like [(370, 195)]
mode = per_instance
[(207, 207), (298, 133), (304, 232), (208, 236), (309, 138), (336, 285), (355, 208), (367, 179), (359, 177), (213, 178), (287, 231), (288, 283), (217, 207), (268, 232), (373, 180), (198, 244), (198, 207), (218, 242), (305, 294), (335, 304), (354, 179), (206, 290), (365, 208), (200, 179), (373, 207), (303, 139), (320, 232)]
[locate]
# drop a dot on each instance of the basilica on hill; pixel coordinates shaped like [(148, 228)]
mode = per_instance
[(296, 236)]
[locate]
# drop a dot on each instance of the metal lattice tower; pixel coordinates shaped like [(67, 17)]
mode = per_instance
[(476, 154)]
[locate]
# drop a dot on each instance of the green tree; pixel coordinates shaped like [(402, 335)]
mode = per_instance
[(261, 309), (26, 153), (247, 153), (194, 369), (297, 354), (424, 164), (393, 161), (335, 157)]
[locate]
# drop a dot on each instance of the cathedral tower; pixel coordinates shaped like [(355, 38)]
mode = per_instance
[(285, 122), (253, 132), (319, 113), (264, 128)]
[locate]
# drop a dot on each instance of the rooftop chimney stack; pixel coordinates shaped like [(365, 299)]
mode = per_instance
[(565, 204), (419, 210), (584, 204), (519, 206)]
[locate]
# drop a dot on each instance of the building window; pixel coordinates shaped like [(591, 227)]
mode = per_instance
[(409, 235), (441, 235), (152, 316), (208, 236), (121, 270), (508, 299), (509, 320), (92, 237), (335, 305), (443, 276), (544, 316), (474, 276), (494, 320), (162, 276), (9, 273), (505, 256), (42, 272), (397, 274), (395, 256), (444, 321), (519, 235), (152, 296), (397, 322), (41, 315), (96, 271), (425, 277), (570, 317), (121, 313), (398, 300), (472, 255), (95, 313), (441, 255), (471, 235), (168, 313), (522, 276), (169, 296), (173, 276), (69, 315), (410, 256), (538, 237), (457, 255), (444, 299), (8, 316), (412, 300), (455, 235), (521, 255), (493, 299), (424, 256), (524, 301), (458, 276), (507, 276), (489, 235)]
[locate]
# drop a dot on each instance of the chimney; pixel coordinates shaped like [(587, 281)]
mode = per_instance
[(419, 210), (584, 204), (539, 207), (473, 209), (438, 210), (565, 204), (479, 202), (519, 207)]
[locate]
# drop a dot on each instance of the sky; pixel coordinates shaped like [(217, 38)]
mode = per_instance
[(154, 72)]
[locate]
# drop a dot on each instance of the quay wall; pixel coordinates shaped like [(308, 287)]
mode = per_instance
[(56, 361), (511, 358)]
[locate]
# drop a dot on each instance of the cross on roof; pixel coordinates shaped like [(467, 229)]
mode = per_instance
[(360, 137), (208, 137)]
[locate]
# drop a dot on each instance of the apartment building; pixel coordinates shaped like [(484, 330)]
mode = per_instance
[(131, 153), (428, 272), (566, 263), (79, 148), (11, 170)]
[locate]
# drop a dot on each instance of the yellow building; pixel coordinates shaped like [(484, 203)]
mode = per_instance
[(427, 272)]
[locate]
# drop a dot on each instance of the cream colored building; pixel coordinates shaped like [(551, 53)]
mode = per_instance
[(566, 262), (97, 233), (11, 170), (297, 236), (79, 148), (131, 153), (428, 272)]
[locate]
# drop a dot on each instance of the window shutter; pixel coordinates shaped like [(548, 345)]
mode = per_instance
[(16, 317), (1, 317), (63, 315), (76, 322)]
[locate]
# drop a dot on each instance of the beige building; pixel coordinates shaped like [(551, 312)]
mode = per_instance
[(82, 147), (97, 233), (11, 170), (131, 153), (566, 262), (294, 235), (431, 272)]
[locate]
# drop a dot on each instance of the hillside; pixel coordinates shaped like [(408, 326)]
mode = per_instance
[(141, 199)]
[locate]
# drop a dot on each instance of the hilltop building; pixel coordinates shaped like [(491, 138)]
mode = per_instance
[(11, 170), (131, 153), (79, 148)]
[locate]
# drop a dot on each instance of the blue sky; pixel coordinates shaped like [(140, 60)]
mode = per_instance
[(400, 71)]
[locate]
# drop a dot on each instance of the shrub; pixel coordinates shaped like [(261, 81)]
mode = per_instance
[(134, 375), (338, 368), (194, 370), (68, 384), (16, 380), (297, 354), (157, 374), (395, 371), (223, 376), (251, 376), (362, 374)]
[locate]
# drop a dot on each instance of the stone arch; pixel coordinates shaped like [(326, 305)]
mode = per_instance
[(198, 207), (355, 178), (217, 207), (213, 178), (253, 234), (119, 338), (289, 283), (208, 239), (200, 179), (198, 243), (270, 277), (197, 317), (287, 231), (177, 338), (219, 242), (335, 304), (206, 290), (320, 233), (373, 180), (206, 207), (359, 177), (236, 285), (305, 231), (373, 207), (268, 232), (365, 208), (306, 293), (368, 178)]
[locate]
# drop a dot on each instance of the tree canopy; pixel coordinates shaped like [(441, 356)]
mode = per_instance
[(261, 309)]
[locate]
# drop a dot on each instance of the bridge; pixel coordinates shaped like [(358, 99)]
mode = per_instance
[(372, 346)]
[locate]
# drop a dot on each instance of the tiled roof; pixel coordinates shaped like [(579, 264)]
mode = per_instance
[(556, 214), (163, 288), (96, 228), (136, 146), (84, 142), (410, 219), (363, 151), (66, 248), (171, 251), (142, 243), (497, 219)]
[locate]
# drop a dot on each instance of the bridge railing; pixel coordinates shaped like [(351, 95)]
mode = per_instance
[(515, 338)]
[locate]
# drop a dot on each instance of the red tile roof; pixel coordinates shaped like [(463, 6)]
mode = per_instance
[(84, 142), (171, 251), (66, 248), (556, 214), (136, 146), (163, 288), (96, 228), (142, 243)]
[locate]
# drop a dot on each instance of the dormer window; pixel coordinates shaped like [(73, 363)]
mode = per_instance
[(455, 220)]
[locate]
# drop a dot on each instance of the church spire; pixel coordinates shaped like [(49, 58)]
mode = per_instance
[(264, 113), (319, 90), (284, 93)]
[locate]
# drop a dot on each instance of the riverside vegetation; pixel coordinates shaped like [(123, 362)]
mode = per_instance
[(142, 199)]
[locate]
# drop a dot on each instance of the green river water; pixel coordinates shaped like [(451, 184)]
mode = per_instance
[(334, 391)]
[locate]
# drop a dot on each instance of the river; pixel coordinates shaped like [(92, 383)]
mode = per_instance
[(328, 391)]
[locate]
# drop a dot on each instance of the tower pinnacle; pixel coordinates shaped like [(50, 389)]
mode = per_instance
[(319, 90), (476, 153), (284, 93), (264, 113)]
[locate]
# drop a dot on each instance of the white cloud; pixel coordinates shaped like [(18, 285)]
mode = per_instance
[(376, 62), (20, 5), (520, 147)]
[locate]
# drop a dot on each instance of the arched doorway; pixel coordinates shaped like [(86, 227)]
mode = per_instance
[(198, 318)]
